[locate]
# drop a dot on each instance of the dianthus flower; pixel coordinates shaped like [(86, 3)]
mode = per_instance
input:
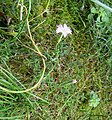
[(65, 30)]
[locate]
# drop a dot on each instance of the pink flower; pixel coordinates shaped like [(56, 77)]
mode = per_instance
[(74, 81), (65, 30)]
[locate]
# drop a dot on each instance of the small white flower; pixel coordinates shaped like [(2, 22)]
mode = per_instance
[(65, 30), (74, 81)]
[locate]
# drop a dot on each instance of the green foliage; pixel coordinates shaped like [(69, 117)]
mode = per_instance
[(84, 56), (94, 99), (102, 18)]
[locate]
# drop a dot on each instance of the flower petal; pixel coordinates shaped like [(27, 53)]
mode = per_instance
[(74, 81), (65, 30)]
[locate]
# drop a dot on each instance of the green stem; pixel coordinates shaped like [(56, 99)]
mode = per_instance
[(102, 5), (59, 40)]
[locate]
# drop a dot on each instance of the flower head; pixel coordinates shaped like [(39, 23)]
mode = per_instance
[(65, 30), (74, 81)]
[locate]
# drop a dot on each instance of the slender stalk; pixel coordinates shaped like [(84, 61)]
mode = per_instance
[(27, 90), (21, 11), (42, 76), (102, 5), (59, 40)]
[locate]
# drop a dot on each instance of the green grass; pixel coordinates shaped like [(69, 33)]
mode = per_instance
[(36, 76)]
